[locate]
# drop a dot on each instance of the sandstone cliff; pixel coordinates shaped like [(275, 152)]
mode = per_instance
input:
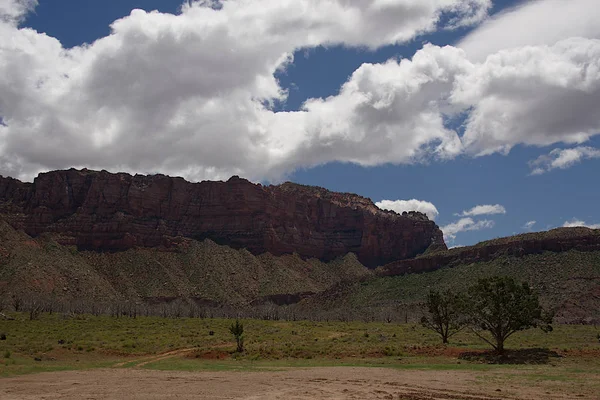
[(109, 212), (556, 240)]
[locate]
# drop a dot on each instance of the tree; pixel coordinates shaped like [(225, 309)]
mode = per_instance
[(444, 317), (502, 307), (237, 330)]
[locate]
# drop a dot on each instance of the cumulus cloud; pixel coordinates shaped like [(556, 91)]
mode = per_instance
[(384, 113), (463, 225), (533, 23), (13, 11), (191, 94), (538, 77), (562, 159), (400, 206), (534, 95), (529, 225), (578, 223), (486, 209)]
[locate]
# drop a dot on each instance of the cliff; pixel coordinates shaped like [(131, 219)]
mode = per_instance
[(111, 212), (556, 240)]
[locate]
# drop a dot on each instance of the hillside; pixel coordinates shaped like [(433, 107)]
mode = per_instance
[(568, 282), (207, 274), (202, 272)]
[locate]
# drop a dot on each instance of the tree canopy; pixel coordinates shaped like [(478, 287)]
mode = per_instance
[(498, 307), (444, 316)]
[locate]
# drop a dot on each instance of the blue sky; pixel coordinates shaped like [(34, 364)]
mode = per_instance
[(101, 97)]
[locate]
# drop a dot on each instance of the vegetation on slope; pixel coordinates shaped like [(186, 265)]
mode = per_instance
[(200, 271), (568, 282)]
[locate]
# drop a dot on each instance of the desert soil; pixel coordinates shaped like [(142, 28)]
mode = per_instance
[(310, 383)]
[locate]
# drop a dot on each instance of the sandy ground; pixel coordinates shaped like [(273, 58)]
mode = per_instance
[(313, 383)]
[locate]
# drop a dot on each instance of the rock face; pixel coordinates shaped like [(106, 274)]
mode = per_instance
[(557, 240), (110, 212)]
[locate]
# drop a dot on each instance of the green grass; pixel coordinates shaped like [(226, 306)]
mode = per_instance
[(102, 341), (23, 365), (414, 363)]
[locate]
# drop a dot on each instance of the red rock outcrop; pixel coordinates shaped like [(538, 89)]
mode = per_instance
[(556, 240), (105, 211)]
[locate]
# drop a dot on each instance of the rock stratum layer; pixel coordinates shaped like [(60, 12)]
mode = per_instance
[(110, 212), (556, 240)]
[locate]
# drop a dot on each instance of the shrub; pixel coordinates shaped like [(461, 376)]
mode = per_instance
[(237, 330)]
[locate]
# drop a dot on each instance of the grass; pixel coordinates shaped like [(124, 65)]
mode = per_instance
[(92, 342), (22, 365)]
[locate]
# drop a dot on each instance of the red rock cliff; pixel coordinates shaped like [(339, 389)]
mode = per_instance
[(556, 240), (104, 211)]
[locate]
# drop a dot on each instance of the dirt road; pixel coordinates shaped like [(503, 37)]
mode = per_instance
[(313, 383)]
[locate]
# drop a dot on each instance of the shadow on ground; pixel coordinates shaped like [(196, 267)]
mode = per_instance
[(522, 356)]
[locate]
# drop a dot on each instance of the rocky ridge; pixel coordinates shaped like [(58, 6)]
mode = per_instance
[(102, 211), (556, 240)]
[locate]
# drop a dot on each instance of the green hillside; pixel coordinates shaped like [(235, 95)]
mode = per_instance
[(200, 272), (568, 282)]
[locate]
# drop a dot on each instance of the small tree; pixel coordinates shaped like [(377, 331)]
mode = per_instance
[(444, 317), (502, 307), (237, 330)]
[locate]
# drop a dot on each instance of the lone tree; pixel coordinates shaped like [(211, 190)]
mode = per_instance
[(237, 330), (444, 317), (502, 307)]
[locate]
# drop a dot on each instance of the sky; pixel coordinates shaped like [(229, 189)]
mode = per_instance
[(483, 114)]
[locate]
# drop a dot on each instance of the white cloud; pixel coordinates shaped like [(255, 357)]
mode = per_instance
[(486, 209), (576, 222), (384, 113), (463, 225), (13, 11), (188, 94), (531, 95), (538, 77), (529, 225), (533, 23), (562, 159), (400, 206)]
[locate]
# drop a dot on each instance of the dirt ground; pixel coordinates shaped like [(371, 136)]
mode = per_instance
[(312, 383)]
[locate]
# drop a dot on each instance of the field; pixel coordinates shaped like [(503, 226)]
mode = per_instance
[(154, 349)]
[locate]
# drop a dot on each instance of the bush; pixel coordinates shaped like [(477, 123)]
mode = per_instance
[(237, 330)]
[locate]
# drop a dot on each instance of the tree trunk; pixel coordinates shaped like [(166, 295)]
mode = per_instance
[(500, 346)]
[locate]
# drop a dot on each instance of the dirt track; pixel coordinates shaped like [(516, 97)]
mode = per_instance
[(314, 383)]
